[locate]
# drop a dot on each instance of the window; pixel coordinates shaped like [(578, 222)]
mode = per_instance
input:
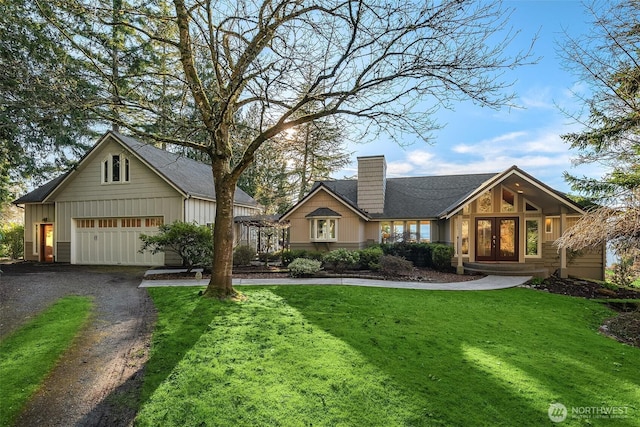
[(324, 229), (464, 236), (131, 222), (398, 231), (425, 231), (508, 201), (530, 207), (485, 202), (107, 223), (86, 223), (533, 237), (412, 226), (548, 225), (153, 222), (115, 169)]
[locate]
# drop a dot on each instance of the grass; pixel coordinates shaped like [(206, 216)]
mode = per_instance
[(30, 353), (325, 356)]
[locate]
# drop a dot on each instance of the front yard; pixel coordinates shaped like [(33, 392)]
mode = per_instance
[(367, 356)]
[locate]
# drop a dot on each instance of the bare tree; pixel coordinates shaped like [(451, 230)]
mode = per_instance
[(381, 66)]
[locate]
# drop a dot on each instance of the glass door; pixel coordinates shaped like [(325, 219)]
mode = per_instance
[(496, 239)]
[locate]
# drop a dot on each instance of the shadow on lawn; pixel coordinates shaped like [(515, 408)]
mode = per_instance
[(496, 357), (178, 336)]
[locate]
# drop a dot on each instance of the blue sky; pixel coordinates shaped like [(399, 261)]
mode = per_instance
[(477, 140)]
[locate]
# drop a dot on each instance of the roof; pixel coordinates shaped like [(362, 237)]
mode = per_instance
[(534, 190), (415, 197), (192, 178), (40, 193), (322, 212)]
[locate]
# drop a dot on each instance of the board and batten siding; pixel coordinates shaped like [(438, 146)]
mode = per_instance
[(35, 213), (204, 211), (351, 232), (169, 208), (87, 182), (585, 264)]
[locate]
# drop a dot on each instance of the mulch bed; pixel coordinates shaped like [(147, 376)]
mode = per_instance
[(582, 288), (419, 275)]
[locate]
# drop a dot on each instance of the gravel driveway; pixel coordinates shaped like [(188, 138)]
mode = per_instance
[(97, 382)]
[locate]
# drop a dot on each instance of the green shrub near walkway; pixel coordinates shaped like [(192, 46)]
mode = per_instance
[(30, 353), (333, 355)]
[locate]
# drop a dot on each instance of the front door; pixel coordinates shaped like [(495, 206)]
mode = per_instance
[(46, 243), (496, 239)]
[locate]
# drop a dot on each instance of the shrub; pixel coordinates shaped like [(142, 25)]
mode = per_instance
[(191, 242), (370, 258), (12, 240), (304, 267), (340, 260), (623, 272), (243, 255), (441, 256), (391, 265)]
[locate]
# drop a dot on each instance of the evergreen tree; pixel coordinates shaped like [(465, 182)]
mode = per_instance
[(608, 60)]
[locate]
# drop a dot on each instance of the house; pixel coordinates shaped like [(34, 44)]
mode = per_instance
[(95, 213), (496, 221)]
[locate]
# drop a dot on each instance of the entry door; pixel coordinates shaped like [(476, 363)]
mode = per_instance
[(496, 239), (46, 243)]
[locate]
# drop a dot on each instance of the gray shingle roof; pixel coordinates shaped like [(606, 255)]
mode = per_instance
[(190, 176), (187, 175), (322, 212), (416, 197), (40, 193)]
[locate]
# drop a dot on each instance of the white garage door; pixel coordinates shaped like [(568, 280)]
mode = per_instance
[(113, 241)]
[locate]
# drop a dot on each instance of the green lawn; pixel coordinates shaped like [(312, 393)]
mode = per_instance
[(324, 356), (28, 354)]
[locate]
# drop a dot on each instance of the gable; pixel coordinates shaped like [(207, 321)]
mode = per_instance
[(86, 182), (525, 186)]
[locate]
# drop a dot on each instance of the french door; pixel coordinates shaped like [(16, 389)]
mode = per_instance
[(497, 239)]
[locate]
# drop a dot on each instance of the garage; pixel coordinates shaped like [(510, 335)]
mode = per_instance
[(114, 241)]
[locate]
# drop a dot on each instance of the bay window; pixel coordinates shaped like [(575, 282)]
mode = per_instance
[(324, 229)]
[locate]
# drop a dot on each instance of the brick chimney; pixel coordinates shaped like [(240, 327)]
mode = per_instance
[(372, 183)]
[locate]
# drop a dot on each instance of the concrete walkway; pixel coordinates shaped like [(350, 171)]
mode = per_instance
[(483, 284)]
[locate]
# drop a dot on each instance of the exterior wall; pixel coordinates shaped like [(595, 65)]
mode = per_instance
[(87, 185), (371, 183), (351, 228), (86, 197), (586, 264), (204, 211), (34, 215)]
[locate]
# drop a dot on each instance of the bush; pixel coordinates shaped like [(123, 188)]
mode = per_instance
[(370, 258), (340, 260), (12, 240), (418, 253), (391, 265), (191, 242), (441, 256), (243, 255), (304, 267)]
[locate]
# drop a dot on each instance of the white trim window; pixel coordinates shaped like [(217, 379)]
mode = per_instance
[(115, 169), (324, 229), (533, 238)]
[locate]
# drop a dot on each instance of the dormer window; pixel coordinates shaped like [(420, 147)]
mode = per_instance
[(115, 168)]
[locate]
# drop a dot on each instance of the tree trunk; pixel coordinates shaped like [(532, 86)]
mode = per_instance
[(220, 285)]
